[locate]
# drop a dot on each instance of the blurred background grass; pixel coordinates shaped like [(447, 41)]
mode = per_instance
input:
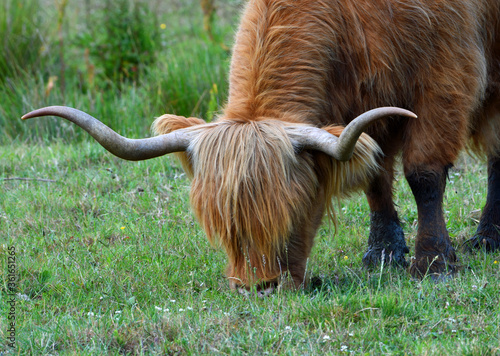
[(123, 61)]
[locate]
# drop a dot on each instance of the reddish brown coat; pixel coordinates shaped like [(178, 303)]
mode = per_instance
[(323, 62)]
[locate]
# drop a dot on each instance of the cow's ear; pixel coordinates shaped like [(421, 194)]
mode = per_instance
[(168, 123), (356, 173)]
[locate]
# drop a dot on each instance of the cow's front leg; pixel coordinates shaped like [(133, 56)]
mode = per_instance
[(488, 232), (301, 241), (433, 250), (386, 234)]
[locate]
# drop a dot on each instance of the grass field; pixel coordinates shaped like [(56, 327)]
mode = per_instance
[(110, 260), (106, 257)]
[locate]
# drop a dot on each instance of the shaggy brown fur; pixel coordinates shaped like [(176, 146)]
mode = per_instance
[(254, 194), (322, 62)]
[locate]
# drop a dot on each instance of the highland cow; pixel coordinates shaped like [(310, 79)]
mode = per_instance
[(266, 171)]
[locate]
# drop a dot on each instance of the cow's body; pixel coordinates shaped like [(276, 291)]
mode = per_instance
[(327, 61), (317, 63)]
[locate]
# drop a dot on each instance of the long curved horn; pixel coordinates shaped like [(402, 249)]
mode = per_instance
[(126, 148), (342, 148)]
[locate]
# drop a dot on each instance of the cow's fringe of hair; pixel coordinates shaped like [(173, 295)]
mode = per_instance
[(250, 188)]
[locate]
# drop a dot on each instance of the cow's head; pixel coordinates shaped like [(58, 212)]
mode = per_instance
[(259, 187)]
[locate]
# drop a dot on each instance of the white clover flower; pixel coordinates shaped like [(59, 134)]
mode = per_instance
[(163, 310), (23, 297)]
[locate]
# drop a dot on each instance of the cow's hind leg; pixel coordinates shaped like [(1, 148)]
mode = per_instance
[(386, 234), (488, 232)]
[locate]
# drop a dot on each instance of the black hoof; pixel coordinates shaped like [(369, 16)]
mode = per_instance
[(386, 242), (394, 256), (440, 268), (479, 242)]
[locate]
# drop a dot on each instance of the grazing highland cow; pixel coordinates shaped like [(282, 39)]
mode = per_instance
[(266, 171)]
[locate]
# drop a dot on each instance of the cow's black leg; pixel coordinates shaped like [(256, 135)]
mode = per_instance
[(488, 232), (433, 250), (386, 234)]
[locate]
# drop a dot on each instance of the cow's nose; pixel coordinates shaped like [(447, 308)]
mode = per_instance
[(263, 289)]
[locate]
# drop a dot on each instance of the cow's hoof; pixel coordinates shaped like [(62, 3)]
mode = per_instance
[(386, 242), (390, 256), (479, 242), (438, 268)]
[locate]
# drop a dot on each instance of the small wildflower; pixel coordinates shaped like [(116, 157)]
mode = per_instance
[(161, 309), (90, 314), (454, 331), (189, 308), (181, 310), (326, 338), (23, 297), (172, 300), (346, 258), (122, 228), (163, 26), (496, 262), (351, 334), (118, 312), (343, 348), (288, 328)]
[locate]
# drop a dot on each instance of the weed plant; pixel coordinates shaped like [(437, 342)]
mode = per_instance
[(121, 41), (22, 39)]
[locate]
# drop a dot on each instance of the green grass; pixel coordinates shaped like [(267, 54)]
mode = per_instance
[(111, 261), (188, 76)]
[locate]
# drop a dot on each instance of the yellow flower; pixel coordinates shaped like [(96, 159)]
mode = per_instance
[(496, 262), (346, 258), (123, 228), (163, 26)]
